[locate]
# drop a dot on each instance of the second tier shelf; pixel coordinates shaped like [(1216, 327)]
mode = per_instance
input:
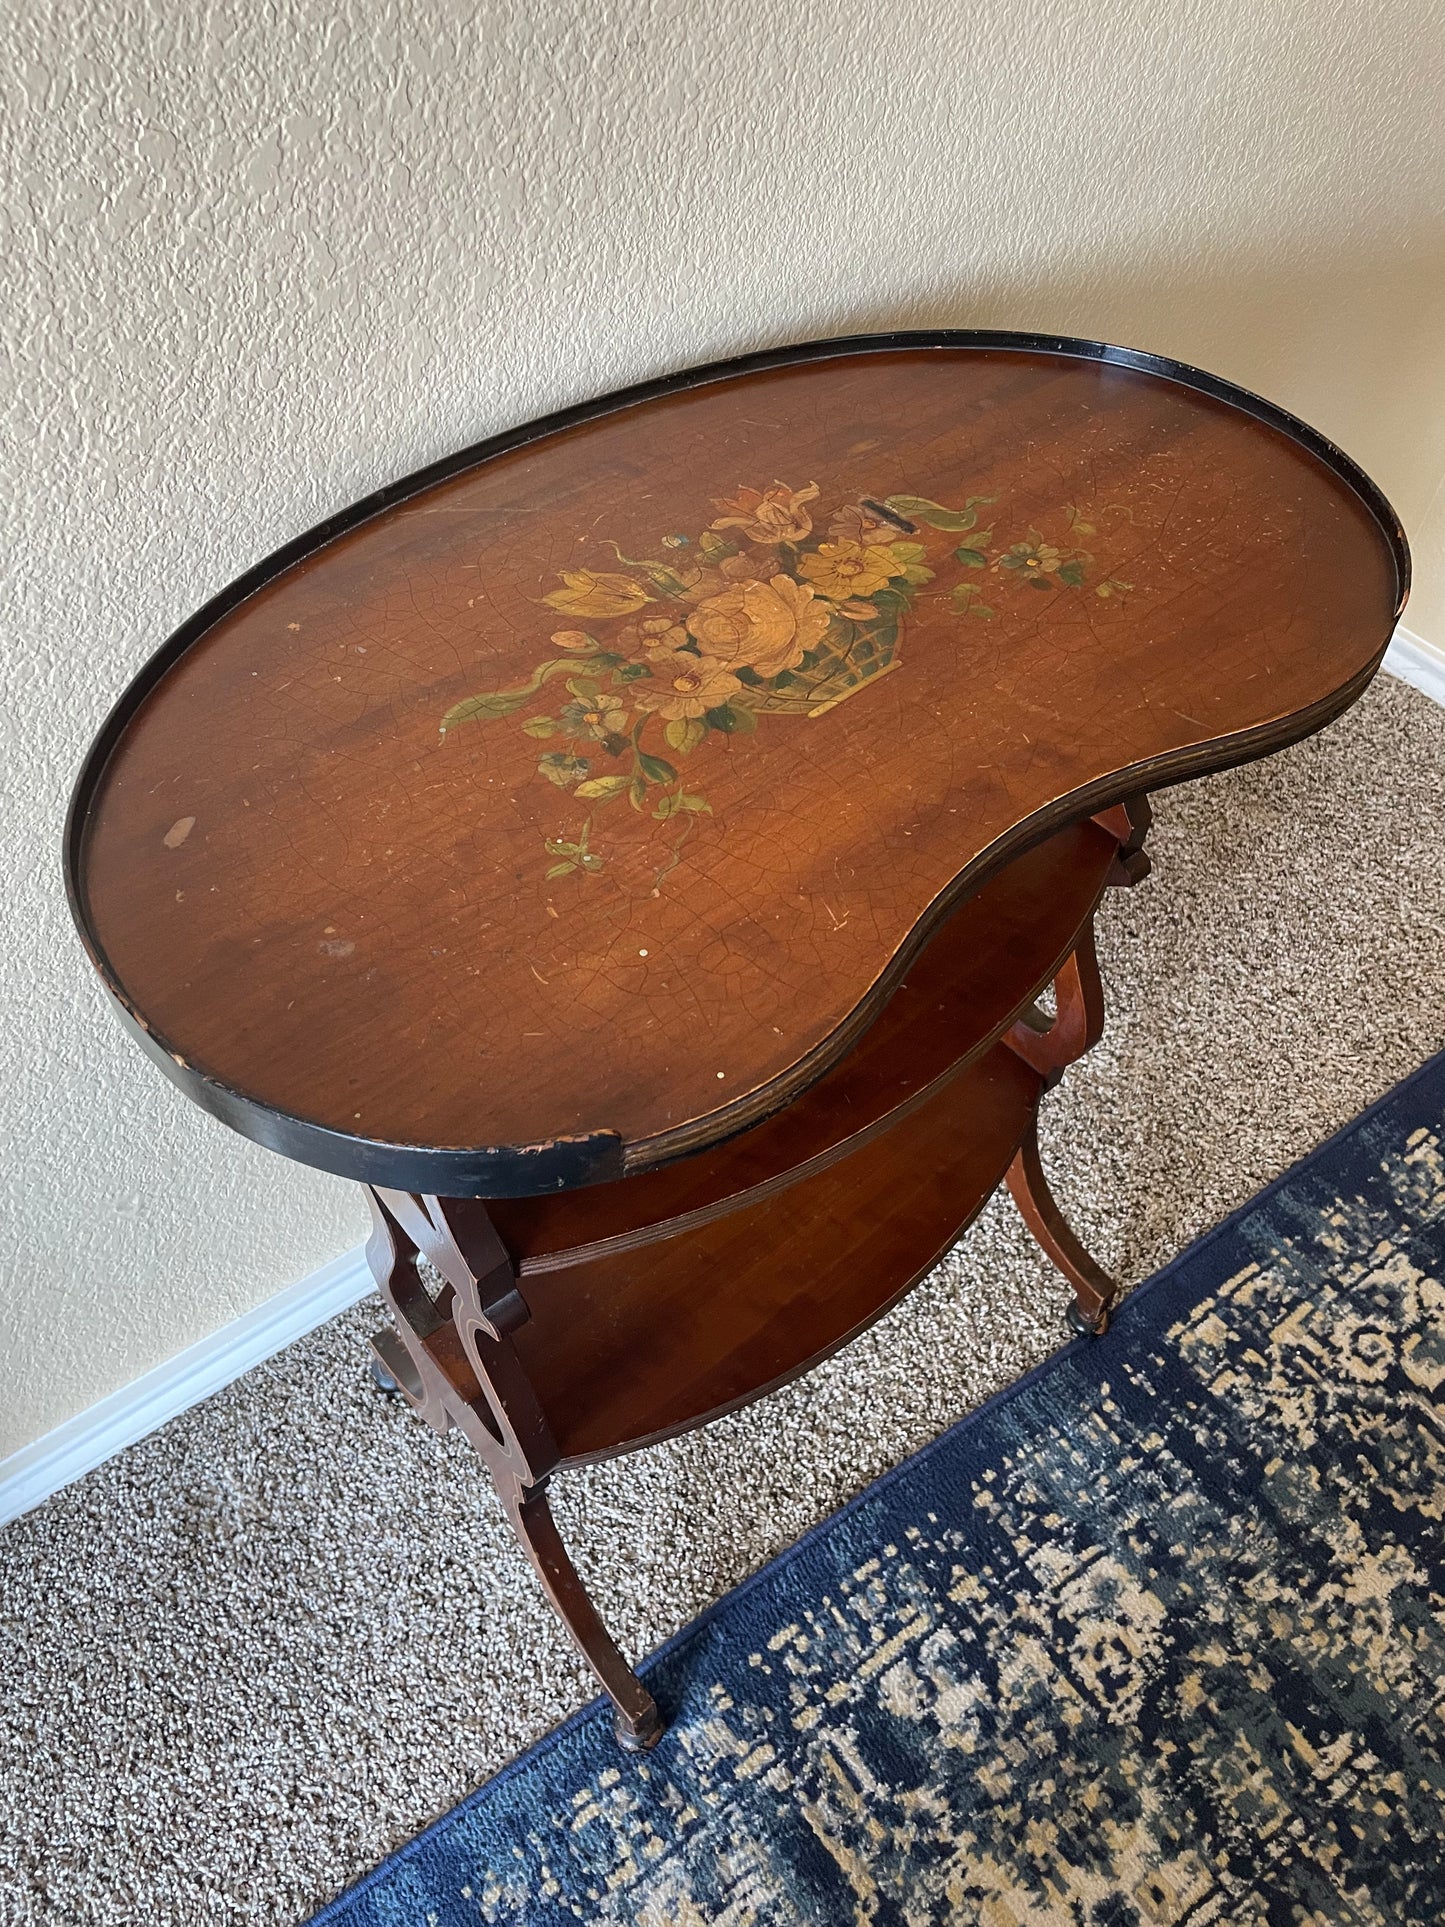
[(991, 958), (648, 1342)]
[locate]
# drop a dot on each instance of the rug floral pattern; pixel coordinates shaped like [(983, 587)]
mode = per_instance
[(1158, 1638)]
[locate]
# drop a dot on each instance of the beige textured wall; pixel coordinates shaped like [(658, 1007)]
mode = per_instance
[(260, 261)]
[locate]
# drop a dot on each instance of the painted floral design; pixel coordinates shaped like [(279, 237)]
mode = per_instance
[(768, 612)]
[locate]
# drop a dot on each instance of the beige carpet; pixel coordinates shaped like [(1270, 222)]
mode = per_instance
[(262, 1648)]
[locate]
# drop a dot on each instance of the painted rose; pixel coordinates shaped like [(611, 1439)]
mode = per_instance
[(685, 685), (591, 593), (775, 514), (766, 626), (843, 569)]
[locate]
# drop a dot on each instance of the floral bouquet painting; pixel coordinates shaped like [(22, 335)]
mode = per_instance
[(760, 615)]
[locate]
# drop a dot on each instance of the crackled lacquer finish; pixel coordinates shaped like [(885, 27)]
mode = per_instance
[(595, 788)]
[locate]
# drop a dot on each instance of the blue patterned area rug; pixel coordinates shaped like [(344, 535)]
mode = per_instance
[(1157, 1637)]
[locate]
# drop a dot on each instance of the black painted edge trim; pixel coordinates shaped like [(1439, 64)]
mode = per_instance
[(517, 1171)]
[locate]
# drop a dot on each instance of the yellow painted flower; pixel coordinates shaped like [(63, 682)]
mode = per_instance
[(601, 717), (1031, 558), (765, 626), (843, 569), (684, 685), (775, 514), (661, 635), (590, 593)]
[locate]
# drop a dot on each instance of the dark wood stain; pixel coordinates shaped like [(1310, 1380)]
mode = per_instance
[(356, 929)]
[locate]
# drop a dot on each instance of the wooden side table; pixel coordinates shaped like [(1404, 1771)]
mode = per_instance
[(635, 847)]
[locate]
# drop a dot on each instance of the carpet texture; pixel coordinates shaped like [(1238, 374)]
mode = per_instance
[(1157, 1637), (261, 1649)]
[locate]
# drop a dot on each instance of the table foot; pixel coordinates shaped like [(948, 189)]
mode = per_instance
[(1080, 1323), (1094, 1290), (640, 1738), (382, 1379)]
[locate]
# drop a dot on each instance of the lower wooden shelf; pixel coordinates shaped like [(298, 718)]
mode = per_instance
[(636, 1346), (570, 1328)]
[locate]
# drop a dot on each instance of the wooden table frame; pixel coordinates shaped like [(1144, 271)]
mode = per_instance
[(639, 867), (452, 1351)]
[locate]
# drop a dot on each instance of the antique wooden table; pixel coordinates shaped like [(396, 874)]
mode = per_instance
[(635, 847)]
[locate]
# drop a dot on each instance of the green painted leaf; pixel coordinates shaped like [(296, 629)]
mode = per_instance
[(676, 805), (591, 863), (733, 719), (630, 671), (484, 709), (918, 508), (602, 789), (972, 558), (1039, 582), (501, 702), (655, 768), (748, 675), (561, 769), (684, 733), (560, 870), (1073, 574), (979, 609), (637, 792), (541, 727)]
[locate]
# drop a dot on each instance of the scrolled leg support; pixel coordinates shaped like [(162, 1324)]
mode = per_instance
[(451, 1357)]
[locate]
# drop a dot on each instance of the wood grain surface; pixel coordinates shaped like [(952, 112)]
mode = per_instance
[(744, 685), (997, 951)]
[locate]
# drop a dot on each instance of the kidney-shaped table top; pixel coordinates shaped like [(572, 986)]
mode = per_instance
[(573, 804)]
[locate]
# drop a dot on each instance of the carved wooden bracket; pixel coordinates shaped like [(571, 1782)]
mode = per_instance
[(451, 1357), (1050, 1045)]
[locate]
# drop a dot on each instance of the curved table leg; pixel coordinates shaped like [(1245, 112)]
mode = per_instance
[(1050, 1046), (1094, 1290), (637, 1723), (451, 1358)]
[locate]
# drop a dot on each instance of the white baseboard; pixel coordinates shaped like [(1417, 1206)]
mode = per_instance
[(1416, 661), (91, 1437)]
